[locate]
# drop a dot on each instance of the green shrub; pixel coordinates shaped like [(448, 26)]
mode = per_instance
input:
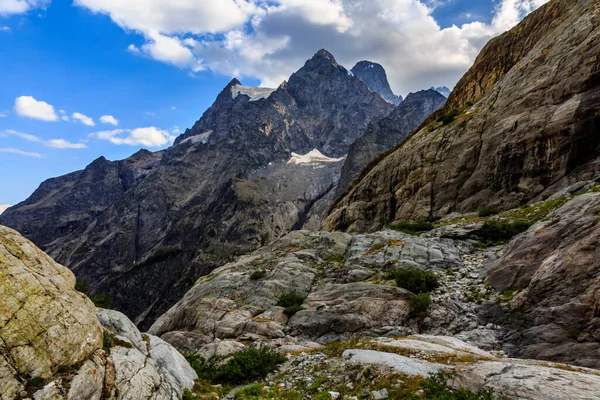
[(243, 367), (448, 118), (81, 286), (102, 300), (414, 279), (292, 303), (187, 395), (572, 333), (258, 274), (420, 303), (436, 388), (36, 382), (498, 232), (413, 227), (291, 310), (486, 211), (251, 392), (109, 341)]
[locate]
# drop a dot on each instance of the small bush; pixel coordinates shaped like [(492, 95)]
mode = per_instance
[(81, 286), (109, 341), (572, 333), (448, 118), (499, 232), (413, 227), (414, 279), (486, 211), (258, 275), (187, 395), (292, 303), (102, 300), (290, 311), (420, 303), (36, 382), (436, 388), (243, 367)]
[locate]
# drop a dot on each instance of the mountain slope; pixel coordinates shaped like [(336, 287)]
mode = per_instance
[(144, 229), (387, 133), (532, 130), (375, 77)]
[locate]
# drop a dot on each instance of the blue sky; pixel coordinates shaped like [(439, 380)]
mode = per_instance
[(157, 74)]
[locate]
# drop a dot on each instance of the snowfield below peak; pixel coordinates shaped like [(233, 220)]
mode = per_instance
[(313, 157)]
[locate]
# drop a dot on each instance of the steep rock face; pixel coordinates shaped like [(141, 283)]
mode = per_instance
[(375, 77), (387, 133), (144, 229), (50, 331), (532, 131), (443, 90), (557, 268)]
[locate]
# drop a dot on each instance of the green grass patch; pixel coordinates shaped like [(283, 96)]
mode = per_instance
[(414, 279), (449, 117), (81, 287), (413, 227), (436, 388), (291, 302), (258, 275), (498, 232), (486, 211), (246, 366), (102, 300)]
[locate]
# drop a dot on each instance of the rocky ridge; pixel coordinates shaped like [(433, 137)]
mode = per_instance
[(519, 126), (375, 77)]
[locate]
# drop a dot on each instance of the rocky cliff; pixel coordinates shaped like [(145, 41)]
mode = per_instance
[(375, 77), (250, 170), (387, 133), (54, 344), (520, 125)]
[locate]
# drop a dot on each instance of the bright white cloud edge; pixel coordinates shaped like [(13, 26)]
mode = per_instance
[(28, 106), (149, 136)]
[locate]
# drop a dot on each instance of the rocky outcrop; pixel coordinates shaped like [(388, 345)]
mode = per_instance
[(50, 332), (521, 124), (375, 77), (387, 133), (555, 269), (443, 90), (144, 229)]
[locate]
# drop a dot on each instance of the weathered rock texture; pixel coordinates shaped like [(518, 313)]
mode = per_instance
[(48, 330), (374, 76), (532, 130), (145, 228), (556, 264), (387, 133)]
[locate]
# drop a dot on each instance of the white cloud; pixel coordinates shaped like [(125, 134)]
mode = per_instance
[(63, 144), (109, 119), (10, 7), (269, 40), (20, 152), (173, 108), (27, 106), (132, 49), (65, 117), (55, 143), (149, 137), (4, 207), (84, 119), (2, 115), (5, 28)]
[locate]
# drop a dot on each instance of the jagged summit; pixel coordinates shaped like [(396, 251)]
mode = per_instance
[(325, 54), (375, 77), (443, 90)]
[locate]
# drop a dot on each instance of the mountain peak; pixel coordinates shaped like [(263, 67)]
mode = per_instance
[(375, 77), (325, 54)]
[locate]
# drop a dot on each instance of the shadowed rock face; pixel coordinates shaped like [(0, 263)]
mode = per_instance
[(387, 133), (533, 129), (375, 77), (145, 228)]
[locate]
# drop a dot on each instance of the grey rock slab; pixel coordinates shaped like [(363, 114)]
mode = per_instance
[(405, 365)]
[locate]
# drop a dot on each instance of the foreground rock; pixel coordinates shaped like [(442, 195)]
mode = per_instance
[(554, 268), (50, 332)]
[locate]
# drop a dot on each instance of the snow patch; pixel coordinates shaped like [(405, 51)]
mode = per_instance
[(313, 157), (255, 93), (201, 138)]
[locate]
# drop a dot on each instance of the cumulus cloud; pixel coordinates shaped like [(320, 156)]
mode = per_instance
[(4, 207), (4, 29), (269, 40), (55, 143), (20, 152), (27, 106), (149, 137), (109, 119), (84, 119), (11, 7)]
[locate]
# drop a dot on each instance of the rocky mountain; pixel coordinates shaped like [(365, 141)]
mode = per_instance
[(375, 77), (519, 126), (387, 133), (443, 90), (142, 230), (54, 344)]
